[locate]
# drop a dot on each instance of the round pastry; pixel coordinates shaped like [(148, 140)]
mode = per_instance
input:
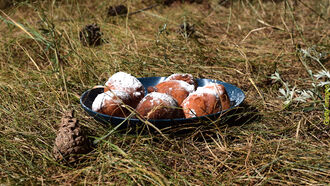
[(112, 103), (221, 92), (159, 106), (178, 89), (125, 82), (184, 77), (200, 103)]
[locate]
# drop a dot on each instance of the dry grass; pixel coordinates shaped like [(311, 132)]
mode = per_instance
[(44, 69)]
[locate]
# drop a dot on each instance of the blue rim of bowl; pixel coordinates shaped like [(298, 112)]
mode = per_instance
[(233, 105)]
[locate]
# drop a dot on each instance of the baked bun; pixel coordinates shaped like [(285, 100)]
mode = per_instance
[(221, 92), (112, 103), (159, 106), (184, 77), (122, 81), (178, 89), (200, 103)]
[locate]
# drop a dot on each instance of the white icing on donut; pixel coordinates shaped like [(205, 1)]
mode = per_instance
[(211, 88), (157, 98), (115, 96), (188, 87), (124, 82)]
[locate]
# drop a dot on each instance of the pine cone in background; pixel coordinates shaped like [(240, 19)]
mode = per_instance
[(70, 140), (167, 2), (195, 1), (90, 35), (186, 29), (4, 4), (117, 10)]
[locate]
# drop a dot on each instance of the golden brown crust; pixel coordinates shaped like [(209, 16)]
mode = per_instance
[(152, 89), (184, 77), (113, 103), (200, 104), (152, 107), (114, 109), (222, 93), (173, 88)]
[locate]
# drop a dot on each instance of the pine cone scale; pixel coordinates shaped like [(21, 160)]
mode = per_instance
[(70, 140)]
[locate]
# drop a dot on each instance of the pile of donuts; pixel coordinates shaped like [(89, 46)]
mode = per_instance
[(178, 96)]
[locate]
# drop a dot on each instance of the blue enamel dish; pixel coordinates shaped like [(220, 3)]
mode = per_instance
[(235, 94)]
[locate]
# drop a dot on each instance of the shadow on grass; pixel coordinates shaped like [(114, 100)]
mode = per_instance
[(243, 115)]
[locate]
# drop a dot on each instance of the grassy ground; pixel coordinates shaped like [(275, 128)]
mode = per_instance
[(44, 69)]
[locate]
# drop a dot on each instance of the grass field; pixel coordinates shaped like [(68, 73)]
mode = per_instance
[(270, 140)]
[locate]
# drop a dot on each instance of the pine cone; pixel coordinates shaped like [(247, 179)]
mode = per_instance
[(5, 4), (168, 2), (70, 140), (195, 1), (117, 10), (90, 35)]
